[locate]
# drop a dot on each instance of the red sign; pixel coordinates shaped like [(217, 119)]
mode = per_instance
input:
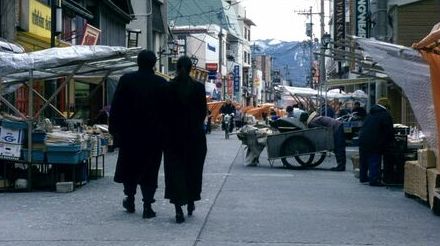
[(91, 35), (211, 66), (230, 86)]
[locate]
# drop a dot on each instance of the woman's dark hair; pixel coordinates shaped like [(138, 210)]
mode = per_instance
[(184, 65)]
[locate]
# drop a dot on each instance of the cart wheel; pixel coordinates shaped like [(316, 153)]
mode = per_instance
[(293, 146), (319, 161)]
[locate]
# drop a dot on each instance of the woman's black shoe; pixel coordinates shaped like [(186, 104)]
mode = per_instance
[(148, 212), (128, 204), (179, 215), (190, 208)]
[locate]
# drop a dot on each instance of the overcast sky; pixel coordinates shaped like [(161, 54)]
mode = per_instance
[(276, 19)]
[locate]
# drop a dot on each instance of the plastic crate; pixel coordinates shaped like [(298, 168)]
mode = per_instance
[(14, 124), (63, 157), (37, 155), (63, 147), (39, 137)]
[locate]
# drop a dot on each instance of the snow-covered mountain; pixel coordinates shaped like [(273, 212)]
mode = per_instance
[(292, 57)]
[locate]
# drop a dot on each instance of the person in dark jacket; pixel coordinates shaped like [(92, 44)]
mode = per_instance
[(134, 122), (360, 111), (375, 140), (185, 146), (228, 108), (314, 120)]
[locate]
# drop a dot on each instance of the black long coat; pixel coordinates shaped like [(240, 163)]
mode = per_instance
[(185, 147), (134, 122), (377, 134)]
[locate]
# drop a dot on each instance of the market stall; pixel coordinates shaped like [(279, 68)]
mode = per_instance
[(40, 146)]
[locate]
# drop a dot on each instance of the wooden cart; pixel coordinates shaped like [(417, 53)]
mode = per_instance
[(300, 149)]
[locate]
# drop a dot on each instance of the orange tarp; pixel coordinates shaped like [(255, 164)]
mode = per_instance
[(434, 64), (214, 107)]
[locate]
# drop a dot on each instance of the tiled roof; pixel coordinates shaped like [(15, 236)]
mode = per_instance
[(206, 12)]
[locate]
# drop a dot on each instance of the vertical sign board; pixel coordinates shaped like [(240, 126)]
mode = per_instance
[(339, 19), (229, 82), (91, 35), (40, 20), (362, 27), (236, 79)]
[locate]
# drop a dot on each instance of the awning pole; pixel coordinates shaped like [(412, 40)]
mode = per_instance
[(59, 89), (29, 130)]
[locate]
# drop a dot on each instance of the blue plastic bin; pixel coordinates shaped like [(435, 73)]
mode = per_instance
[(63, 157), (39, 137), (37, 155), (63, 153)]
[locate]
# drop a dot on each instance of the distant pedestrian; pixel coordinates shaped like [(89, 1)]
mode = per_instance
[(359, 111), (185, 146), (375, 141), (289, 111), (134, 122)]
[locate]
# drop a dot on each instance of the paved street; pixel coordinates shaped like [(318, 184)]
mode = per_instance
[(241, 206)]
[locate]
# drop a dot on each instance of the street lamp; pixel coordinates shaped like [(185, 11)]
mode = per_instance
[(169, 51)]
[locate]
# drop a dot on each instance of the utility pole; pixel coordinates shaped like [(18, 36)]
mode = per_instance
[(149, 9), (322, 72), (220, 55), (309, 33)]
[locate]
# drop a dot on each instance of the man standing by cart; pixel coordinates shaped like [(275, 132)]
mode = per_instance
[(135, 126), (314, 120), (376, 139)]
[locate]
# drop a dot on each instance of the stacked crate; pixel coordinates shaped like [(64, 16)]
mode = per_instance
[(422, 178)]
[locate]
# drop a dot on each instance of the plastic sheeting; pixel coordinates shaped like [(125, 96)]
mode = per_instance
[(406, 67), (54, 57)]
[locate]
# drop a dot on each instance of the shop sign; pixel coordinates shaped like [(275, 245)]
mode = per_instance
[(91, 35), (229, 83), (339, 19), (39, 16), (362, 28), (236, 78), (211, 66)]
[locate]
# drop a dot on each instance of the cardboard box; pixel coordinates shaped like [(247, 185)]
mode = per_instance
[(64, 187), (426, 158), (12, 136), (433, 178), (10, 150), (415, 180)]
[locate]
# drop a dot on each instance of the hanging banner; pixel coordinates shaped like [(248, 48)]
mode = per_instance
[(339, 19), (362, 23), (236, 79), (229, 82)]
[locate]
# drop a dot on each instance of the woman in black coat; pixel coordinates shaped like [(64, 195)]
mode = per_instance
[(185, 146)]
